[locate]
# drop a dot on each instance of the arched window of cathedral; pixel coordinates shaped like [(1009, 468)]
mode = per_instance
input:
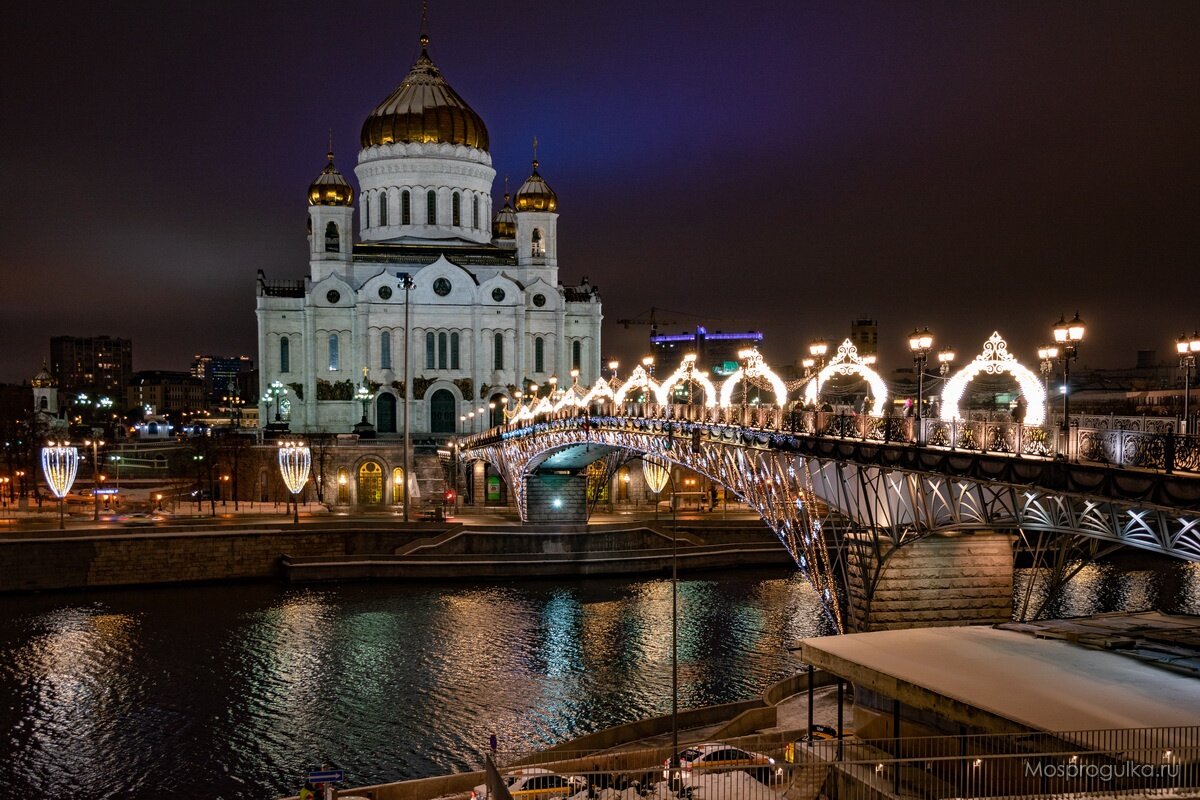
[(383, 209), (442, 360), (431, 207), (539, 355), (44, 402), (365, 219), (429, 363), (405, 208), (498, 351), (385, 349), (285, 355), (454, 351), (335, 361), (475, 211), (538, 247), (333, 241), (576, 354), (455, 210)]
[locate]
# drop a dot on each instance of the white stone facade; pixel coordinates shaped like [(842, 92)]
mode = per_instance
[(485, 317)]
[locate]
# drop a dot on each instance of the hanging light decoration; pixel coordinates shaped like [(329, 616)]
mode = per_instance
[(59, 465), (656, 472), (295, 460)]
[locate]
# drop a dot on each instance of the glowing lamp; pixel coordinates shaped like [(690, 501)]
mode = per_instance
[(808, 363), (656, 472), (647, 361), (59, 465), (613, 365), (818, 347), (295, 460), (1076, 329)]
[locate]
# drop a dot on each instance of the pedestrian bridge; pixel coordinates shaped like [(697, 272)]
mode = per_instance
[(872, 479)]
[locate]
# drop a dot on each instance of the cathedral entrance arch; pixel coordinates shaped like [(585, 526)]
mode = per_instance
[(441, 412), (370, 484), (385, 413)]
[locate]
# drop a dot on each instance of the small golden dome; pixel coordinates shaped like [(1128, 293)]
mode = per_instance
[(43, 379), (330, 188), (424, 108), (504, 226), (535, 194)]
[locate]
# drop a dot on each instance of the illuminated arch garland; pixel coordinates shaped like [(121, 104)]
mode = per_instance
[(847, 362), (600, 390), (996, 359), (638, 379), (687, 373), (755, 367)]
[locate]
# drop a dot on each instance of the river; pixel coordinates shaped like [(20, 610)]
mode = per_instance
[(230, 691)]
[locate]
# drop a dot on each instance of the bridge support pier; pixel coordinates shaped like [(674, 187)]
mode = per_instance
[(945, 579), (556, 498)]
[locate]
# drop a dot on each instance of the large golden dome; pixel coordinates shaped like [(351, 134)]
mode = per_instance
[(535, 194), (330, 188), (424, 108)]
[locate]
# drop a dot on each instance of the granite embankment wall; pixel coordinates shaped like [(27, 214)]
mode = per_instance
[(177, 556), (87, 559)]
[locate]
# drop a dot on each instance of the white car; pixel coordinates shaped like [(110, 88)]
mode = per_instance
[(535, 783), (715, 757)]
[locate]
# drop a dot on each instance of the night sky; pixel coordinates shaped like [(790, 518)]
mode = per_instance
[(783, 166)]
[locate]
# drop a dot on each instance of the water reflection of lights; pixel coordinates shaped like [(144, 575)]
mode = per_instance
[(76, 668)]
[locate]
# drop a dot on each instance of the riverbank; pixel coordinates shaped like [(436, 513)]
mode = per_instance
[(357, 549)]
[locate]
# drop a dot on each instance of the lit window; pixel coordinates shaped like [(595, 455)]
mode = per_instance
[(334, 359)]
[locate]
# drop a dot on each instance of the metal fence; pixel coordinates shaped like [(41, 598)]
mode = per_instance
[(1103, 763)]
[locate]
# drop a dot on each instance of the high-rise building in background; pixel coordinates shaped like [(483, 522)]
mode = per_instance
[(221, 375), (716, 352), (95, 364), (864, 334)]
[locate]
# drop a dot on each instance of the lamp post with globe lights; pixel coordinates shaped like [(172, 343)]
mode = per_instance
[(920, 342), (60, 461), (1187, 348), (295, 461), (1068, 335)]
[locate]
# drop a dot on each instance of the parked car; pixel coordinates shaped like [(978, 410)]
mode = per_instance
[(535, 783), (714, 757)]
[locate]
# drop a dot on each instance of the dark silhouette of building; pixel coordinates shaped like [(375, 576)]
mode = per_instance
[(94, 364)]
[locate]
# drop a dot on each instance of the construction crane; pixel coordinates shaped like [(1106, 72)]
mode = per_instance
[(653, 322)]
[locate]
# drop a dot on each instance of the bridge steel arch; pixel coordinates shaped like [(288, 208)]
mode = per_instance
[(896, 493)]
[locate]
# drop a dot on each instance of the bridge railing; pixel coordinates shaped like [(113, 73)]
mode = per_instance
[(1144, 446)]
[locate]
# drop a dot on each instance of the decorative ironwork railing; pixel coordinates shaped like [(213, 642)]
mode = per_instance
[(1152, 444)]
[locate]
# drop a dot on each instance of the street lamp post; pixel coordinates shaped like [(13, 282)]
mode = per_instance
[(406, 283), (920, 342), (59, 465), (1047, 355), (657, 475), (1187, 349), (95, 444), (1068, 335), (295, 460)]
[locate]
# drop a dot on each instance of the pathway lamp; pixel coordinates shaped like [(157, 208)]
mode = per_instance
[(59, 465), (1187, 348), (95, 444), (945, 359), (648, 363), (1047, 355), (1068, 335), (817, 349), (612, 367), (295, 460), (364, 396), (657, 475), (809, 365), (919, 343), (406, 283)]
